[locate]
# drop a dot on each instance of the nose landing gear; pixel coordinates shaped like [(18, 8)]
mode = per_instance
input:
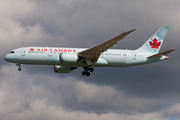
[(19, 68)]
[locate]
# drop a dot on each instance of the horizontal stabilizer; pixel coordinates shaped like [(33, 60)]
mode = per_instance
[(161, 54)]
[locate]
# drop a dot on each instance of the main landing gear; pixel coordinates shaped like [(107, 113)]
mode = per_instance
[(86, 71), (19, 68)]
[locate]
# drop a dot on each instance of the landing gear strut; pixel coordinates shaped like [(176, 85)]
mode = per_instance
[(86, 71)]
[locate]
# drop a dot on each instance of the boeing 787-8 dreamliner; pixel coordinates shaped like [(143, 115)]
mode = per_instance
[(67, 59)]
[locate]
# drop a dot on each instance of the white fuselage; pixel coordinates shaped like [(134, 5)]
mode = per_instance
[(51, 56)]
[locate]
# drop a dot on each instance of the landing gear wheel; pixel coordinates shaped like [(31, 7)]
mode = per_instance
[(86, 69), (87, 73), (19, 68), (84, 73), (91, 69)]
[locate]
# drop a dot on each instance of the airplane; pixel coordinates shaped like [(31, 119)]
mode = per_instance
[(67, 59)]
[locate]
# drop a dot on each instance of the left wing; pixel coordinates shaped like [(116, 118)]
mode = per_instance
[(93, 53)]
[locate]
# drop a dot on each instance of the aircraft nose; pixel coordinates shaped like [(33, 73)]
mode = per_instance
[(7, 58)]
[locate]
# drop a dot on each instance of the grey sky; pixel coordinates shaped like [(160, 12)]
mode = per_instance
[(140, 92)]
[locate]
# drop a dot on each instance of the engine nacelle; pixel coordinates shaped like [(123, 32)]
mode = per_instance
[(68, 58), (63, 69)]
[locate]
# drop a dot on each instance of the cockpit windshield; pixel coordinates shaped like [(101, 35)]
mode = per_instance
[(11, 52)]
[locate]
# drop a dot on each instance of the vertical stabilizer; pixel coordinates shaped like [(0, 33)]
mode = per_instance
[(154, 43)]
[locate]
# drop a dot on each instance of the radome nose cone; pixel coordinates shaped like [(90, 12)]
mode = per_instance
[(6, 58)]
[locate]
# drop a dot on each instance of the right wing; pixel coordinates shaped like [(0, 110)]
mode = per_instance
[(93, 53)]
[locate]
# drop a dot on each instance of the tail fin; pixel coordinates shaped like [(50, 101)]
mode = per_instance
[(154, 43)]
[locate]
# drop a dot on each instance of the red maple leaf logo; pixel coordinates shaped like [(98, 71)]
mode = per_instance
[(154, 44)]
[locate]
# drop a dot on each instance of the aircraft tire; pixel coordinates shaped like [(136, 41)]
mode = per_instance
[(91, 69), (87, 73), (84, 73), (19, 68)]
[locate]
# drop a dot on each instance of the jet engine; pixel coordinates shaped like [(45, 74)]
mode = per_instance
[(63, 69), (68, 58)]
